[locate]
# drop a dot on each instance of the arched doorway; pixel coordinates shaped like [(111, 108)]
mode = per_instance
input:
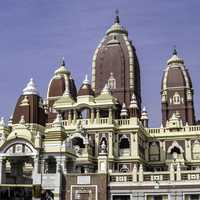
[(17, 168)]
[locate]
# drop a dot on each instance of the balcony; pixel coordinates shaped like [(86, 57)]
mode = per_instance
[(98, 122)]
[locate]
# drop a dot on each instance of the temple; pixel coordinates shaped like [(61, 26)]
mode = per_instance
[(95, 143)]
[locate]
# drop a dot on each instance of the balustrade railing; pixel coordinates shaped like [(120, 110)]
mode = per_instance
[(100, 121), (158, 177)]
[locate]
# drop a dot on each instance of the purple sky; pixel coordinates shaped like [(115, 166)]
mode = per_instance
[(35, 34)]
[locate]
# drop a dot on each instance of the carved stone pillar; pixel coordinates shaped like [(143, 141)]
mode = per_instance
[(69, 117), (2, 168), (110, 117), (141, 177), (97, 115), (134, 173), (92, 116), (74, 117), (110, 142)]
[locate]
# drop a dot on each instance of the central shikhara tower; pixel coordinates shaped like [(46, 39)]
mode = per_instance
[(94, 142)]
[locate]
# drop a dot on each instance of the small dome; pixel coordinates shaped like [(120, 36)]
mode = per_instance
[(175, 75), (133, 103), (86, 88), (144, 114), (175, 58), (62, 69), (116, 27), (30, 88)]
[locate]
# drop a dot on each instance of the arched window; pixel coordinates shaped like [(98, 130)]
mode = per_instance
[(50, 165), (124, 168), (78, 144), (112, 81), (176, 98), (154, 151), (124, 146), (175, 151), (78, 141), (196, 150), (124, 142)]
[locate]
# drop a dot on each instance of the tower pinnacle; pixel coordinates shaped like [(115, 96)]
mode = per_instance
[(117, 16), (62, 61), (175, 51)]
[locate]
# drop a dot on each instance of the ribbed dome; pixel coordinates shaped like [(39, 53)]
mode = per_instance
[(175, 75), (56, 87), (116, 55)]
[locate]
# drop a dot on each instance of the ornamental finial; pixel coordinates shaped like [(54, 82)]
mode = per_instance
[(117, 16), (62, 62), (175, 51)]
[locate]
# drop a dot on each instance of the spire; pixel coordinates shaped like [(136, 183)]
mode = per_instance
[(117, 16), (175, 51), (133, 103), (2, 122), (105, 89), (30, 88), (123, 111), (62, 61), (175, 58), (144, 117), (86, 81), (144, 114), (61, 69)]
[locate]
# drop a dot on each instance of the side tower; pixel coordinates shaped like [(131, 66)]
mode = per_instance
[(177, 92), (61, 83), (115, 62)]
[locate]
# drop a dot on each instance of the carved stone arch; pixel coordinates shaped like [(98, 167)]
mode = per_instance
[(103, 137), (124, 168), (124, 142), (175, 144), (18, 146), (78, 135)]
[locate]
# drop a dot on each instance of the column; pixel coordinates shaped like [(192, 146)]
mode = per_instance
[(171, 170), (132, 143), (110, 117), (134, 173), (92, 116), (96, 144), (35, 174), (74, 117), (188, 148), (110, 142), (162, 150), (1, 170), (97, 116), (178, 172), (36, 160), (69, 117), (141, 173)]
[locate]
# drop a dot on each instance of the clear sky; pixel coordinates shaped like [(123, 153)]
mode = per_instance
[(35, 34)]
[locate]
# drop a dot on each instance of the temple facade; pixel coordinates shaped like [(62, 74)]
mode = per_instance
[(95, 143)]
